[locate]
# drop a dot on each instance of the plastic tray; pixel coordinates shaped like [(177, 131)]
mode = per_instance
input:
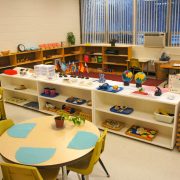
[(45, 95), (163, 118), (110, 89), (75, 101), (126, 110), (141, 132)]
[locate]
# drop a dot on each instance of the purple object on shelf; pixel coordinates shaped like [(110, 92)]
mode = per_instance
[(46, 91), (53, 92)]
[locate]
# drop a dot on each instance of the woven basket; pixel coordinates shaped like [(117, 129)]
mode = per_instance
[(86, 116)]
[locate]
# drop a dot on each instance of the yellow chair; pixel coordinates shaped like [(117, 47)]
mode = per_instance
[(134, 65), (85, 166), (4, 125), (20, 172), (2, 110)]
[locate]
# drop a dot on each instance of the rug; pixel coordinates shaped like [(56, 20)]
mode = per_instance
[(148, 82)]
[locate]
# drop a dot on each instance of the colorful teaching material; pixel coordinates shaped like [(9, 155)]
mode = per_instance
[(141, 132)]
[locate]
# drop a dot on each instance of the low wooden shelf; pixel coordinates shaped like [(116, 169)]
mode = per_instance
[(112, 62)]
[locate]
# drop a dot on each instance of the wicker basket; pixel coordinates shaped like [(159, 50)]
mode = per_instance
[(5, 53), (87, 117)]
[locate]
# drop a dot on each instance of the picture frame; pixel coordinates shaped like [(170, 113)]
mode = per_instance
[(174, 83)]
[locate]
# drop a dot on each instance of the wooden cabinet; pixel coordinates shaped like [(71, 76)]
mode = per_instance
[(115, 59), (8, 61), (49, 55), (28, 57), (107, 59), (46, 56), (93, 56), (72, 54)]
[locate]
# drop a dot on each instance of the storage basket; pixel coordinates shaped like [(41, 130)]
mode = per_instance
[(163, 118), (87, 117)]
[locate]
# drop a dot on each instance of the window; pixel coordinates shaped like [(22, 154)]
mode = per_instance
[(128, 20), (104, 20), (93, 19), (120, 26), (175, 23), (151, 17)]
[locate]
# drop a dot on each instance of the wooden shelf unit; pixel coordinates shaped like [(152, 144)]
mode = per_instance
[(111, 63), (101, 104), (29, 58)]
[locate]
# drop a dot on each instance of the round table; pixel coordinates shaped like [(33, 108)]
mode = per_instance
[(46, 135)]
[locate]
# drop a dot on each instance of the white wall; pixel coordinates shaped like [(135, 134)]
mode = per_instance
[(37, 21)]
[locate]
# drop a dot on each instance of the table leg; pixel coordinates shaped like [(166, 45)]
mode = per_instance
[(64, 173), (142, 66), (147, 68)]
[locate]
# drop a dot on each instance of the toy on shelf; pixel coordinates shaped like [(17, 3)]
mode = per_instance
[(127, 77), (109, 88), (141, 132), (20, 87), (121, 109), (102, 78), (75, 100), (158, 92), (16, 100), (113, 124), (89, 103), (140, 78), (49, 92), (32, 104), (50, 107), (140, 91), (68, 109), (10, 72), (164, 116)]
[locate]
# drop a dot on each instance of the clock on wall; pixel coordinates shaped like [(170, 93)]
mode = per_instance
[(21, 47)]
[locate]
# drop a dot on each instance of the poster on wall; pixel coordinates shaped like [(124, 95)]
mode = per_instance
[(174, 83)]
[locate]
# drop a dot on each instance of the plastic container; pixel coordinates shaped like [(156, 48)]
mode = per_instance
[(163, 118)]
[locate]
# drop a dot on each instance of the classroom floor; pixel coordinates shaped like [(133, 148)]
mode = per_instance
[(125, 159)]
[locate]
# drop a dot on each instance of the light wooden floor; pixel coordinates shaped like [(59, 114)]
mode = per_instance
[(124, 158)]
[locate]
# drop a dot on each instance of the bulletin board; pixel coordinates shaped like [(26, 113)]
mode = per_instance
[(174, 83)]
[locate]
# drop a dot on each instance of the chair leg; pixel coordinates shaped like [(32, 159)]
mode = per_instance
[(104, 167), (68, 172), (82, 176)]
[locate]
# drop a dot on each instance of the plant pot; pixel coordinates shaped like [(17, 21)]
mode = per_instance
[(112, 43), (59, 120)]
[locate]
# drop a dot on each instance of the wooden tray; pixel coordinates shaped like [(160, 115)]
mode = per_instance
[(113, 124), (141, 132)]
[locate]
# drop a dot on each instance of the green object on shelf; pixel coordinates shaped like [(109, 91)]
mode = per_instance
[(71, 38), (99, 59)]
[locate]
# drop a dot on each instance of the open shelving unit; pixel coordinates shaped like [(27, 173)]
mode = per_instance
[(143, 106), (141, 116), (110, 63)]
